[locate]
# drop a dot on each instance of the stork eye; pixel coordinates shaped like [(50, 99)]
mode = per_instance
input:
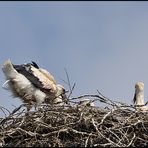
[(64, 91)]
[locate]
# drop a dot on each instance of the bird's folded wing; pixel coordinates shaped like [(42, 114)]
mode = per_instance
[(36, 77), (134, 99), (48, 75)]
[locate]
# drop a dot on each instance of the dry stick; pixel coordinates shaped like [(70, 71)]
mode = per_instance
[(11, 114), (86, 142), (101, 99), (27, 132), (131, 140), (68, 129), (144, 127), (104, 117), (71, 90), (116, 136), (103, 145), (69, 84), (82, 133), (68, 79), (3, 108), (131, 116), (95, 96), (124, 135), (114, 144), (142, 139), (119, 140), (114, 104), (54, 132), (18, 108), (23, 119)]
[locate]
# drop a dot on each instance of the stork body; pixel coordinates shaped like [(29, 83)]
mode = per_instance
[(33, 85), (139, 94), (139, 97)]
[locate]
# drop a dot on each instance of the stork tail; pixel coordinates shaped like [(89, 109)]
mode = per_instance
[(9, 70)]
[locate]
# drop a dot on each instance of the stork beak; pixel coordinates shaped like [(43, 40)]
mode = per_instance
[(64, 98)]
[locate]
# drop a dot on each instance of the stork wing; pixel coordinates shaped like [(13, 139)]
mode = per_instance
[(48, 75), (36, 77), (134, 99)]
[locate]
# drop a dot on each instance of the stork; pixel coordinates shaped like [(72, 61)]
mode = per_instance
[(139, 97), (33, 85)]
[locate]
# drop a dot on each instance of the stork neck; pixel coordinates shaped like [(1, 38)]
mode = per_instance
[(140, 98)]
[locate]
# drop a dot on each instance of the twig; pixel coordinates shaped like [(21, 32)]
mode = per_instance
[(104, 118), (107, 98), (69, 84), (114, 144), (131, 140)]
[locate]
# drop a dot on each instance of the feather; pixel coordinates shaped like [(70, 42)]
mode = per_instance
[(35, 65), (134, 99), (36, 77)]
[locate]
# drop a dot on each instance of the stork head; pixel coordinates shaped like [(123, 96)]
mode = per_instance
[(139, 86), (61, 92), (60, 89), (139, 94)]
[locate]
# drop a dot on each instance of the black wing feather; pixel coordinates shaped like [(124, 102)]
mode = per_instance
[(35, 64), (25, 69), (134, 99)]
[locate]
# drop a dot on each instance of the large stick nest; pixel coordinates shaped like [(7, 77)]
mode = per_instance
[(74, 125)]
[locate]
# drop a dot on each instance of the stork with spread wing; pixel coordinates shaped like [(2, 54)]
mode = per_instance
[(33, 85)]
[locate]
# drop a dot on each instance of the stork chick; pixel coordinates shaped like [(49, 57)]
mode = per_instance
[(33, 85)]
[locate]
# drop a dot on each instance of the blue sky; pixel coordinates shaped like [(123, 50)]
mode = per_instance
[(103, 45)]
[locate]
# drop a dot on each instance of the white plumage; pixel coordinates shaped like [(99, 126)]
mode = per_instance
[(32, 84), (139, 97), (86, 102)]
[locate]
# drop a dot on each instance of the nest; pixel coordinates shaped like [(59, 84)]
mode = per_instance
[(75, 125)]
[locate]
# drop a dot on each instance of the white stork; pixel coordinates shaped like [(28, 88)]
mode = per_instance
[(33, 85), (139, 97)]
